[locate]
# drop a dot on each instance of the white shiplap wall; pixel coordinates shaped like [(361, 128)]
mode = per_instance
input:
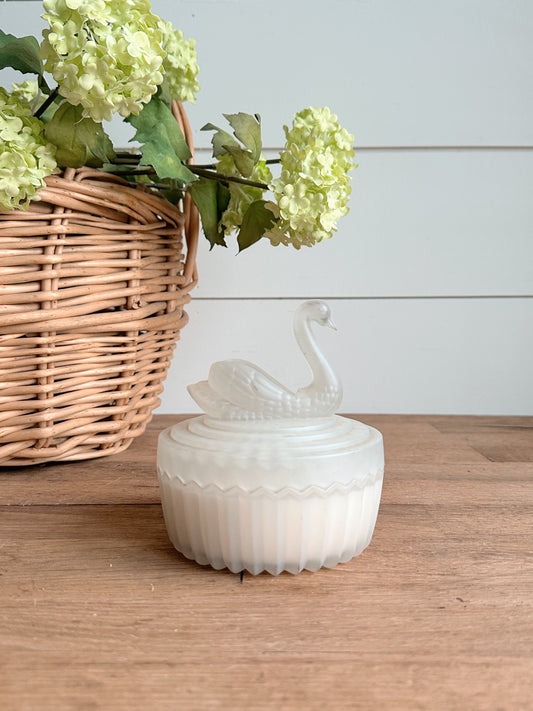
[(430, 277)]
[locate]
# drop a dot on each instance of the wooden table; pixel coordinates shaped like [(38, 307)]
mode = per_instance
[(99, 612)]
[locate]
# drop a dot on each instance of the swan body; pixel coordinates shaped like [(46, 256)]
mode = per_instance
[(239, 390)]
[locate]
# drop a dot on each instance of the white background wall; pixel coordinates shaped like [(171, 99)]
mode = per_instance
[(430, 277)]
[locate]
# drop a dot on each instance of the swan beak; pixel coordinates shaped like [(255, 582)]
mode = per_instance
[(329, 323)]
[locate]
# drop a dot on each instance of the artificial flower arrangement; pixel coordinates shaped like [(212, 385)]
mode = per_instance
[(116, 56)]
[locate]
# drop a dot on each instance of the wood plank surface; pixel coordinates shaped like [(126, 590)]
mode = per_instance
[(97, 610)]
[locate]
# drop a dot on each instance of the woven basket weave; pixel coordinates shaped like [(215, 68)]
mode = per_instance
[(93, 280)]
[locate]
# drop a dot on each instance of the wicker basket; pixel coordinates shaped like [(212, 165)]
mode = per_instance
[(93, 281)]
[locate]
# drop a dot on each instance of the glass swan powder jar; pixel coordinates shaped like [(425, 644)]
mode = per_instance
[(269, 479)]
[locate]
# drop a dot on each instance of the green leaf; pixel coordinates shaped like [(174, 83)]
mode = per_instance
[(156, 113), (21, 53), (43, 85), (173, 195), (256, 221), (205, 193), (223, 198), (220, 140), (80, 141), (247, 129), (158, 153), (163, 144), (243, 160)]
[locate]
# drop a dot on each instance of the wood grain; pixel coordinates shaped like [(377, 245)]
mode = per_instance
[(99, 612)]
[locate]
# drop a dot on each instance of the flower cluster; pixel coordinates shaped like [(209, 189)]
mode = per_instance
[(241, 196), (27, 90), (180, 65), (312, 191), (105, 54), (25, 156), (116, 56)]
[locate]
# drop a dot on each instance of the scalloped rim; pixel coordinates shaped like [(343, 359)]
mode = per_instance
[(312, 490)]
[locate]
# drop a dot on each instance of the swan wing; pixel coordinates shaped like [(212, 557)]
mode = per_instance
[(208, 400), (248, 387)]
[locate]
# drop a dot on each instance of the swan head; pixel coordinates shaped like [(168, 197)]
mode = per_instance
[(318, 311)]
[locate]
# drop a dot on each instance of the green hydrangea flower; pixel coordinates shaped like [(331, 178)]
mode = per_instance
[(313, 189), (241, 196), (26, 158), (27, 90), (180, 65), (105, 54)]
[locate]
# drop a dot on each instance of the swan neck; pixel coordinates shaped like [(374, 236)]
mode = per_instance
[(323, 374)]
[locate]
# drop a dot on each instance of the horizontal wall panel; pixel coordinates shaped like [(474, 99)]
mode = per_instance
[(422, 223), (398, 73), (448, 356)]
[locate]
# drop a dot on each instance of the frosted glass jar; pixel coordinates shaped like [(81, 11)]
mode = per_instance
[(270, 495)]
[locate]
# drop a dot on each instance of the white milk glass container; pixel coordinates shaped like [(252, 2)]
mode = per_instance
[(269, 479)]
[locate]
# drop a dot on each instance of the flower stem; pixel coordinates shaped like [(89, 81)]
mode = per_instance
[(215, 175), (212, 166), (46, 103), (204, 171)]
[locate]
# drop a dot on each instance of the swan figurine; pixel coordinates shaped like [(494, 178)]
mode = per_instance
[(239, 390)]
